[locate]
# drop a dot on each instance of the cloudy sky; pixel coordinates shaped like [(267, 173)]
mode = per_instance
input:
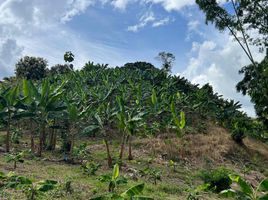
[(120, 31)]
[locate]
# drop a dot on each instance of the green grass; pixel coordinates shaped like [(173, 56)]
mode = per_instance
[(174, 185)]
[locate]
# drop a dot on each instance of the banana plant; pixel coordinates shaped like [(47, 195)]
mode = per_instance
[(16, 157), (75, 114), (133, 121), (41, 101), (103, 120), (179, 122), (8, 101), (131, 193), (31, 189), (247, 192)]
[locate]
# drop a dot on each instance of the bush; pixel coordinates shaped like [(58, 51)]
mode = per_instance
[(238, 135), (218, 179)]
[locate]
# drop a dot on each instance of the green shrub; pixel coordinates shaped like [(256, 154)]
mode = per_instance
[(218, 179)]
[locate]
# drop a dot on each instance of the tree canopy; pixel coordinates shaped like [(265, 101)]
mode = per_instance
[(33, 68)]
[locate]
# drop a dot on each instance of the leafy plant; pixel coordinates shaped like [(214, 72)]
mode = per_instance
[(80, 152), (30, 189), (194, 194), (90, 168), (246, 192), (16, 157), (131, 193), (152, 174), (179, 122), (217, 179), (172, 164), (113, 180)]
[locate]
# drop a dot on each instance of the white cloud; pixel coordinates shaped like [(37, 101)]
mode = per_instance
[(218, 62), (149, 18), (121, 4), (143, 21), (172, 5), (9, 53), (75, 8), (34, 27), (161, 22)]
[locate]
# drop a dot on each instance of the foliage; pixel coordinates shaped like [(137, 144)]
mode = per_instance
[(240, 18), (113, 180), (152, 174), (90, 168), (217, 179), (80, 152), (255, 84), (33, 68), (31, 189), (131, 193), (60, 69), (246, 191), (16, 157), (167, 60), (194, 194), (68, 56)]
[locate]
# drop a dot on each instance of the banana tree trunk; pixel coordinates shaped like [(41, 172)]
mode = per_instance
[(8, 134), (54, 140), (122, 147), (130, 157), (32, 136), (109, 158), (41, 140), (51, 137), (72, 138)]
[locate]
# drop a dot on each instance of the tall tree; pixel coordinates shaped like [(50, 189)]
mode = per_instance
[(241, 18), (31, 68), (167, 60), (255, 84)]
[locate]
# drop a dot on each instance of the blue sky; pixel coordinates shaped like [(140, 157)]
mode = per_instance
[(120, 31)]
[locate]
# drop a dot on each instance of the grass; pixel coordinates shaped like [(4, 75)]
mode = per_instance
[(200, 152)]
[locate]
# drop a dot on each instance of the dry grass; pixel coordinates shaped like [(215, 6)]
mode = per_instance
[(215, 147)]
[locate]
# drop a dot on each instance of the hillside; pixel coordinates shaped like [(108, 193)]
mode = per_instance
[(160, 129)]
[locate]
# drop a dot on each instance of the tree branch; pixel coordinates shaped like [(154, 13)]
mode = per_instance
[(243, 33)]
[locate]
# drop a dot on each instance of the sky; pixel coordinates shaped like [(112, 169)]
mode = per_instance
[(120, 31)]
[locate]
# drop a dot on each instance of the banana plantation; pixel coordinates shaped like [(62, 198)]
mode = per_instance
[(136, 121)]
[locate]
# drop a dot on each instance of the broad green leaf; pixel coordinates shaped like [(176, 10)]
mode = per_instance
[(46, 185), (263, 187), (228, 193), (154, 98), (245, 187), (182, 120), (135, 190), (234, 178), (264, 197), (115, 172)]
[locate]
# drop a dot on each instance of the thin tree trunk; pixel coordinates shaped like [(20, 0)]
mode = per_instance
[(51, 136), (54, 141), (41, 140), (15, 164), (109, 158), (130, 157), (32, 136), (72, 138), (8, 135), (44, 138), (122, 147)]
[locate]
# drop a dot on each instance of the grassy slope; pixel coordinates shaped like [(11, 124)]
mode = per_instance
[(193, 153)]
